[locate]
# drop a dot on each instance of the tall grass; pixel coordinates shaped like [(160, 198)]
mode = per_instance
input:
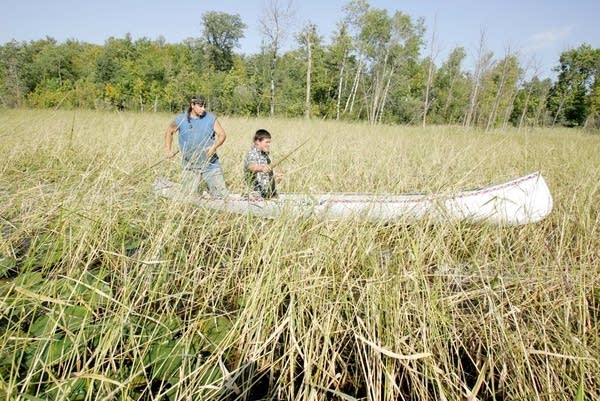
[(107, 292)]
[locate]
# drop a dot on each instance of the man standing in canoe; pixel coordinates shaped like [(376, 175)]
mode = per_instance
[(200, 135), (258, 170)]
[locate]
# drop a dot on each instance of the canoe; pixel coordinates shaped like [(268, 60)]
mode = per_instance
[(519, 201)]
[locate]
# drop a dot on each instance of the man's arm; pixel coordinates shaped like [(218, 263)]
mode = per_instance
[(171, 129), (219, 139)]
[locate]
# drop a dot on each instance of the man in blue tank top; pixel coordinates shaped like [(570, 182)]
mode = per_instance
[(200, 134)]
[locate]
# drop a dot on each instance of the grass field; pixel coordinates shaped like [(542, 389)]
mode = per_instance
[(109, 293)]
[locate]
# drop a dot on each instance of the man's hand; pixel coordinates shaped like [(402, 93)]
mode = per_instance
[(211, 150), (171, 154)]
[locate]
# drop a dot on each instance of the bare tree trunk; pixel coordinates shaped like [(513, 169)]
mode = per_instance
[(509, 108), (382, 86), (307, 105), (15, 82), (476, 82), (340, 85), (539, 109), (351, 98), (525, 107), (378, 88), (560, 106), (472, 102), (272, 86), (372, 108), (427, 88), (450, 96), (529, 92), (499, 91), (429, 78), (276, 18), (385, 94)]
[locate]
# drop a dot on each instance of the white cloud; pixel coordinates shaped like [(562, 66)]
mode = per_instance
[(543, 40)]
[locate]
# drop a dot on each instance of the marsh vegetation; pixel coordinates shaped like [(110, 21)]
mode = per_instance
[(108, 292)]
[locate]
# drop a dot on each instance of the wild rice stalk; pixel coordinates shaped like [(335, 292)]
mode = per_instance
[(108, 292)]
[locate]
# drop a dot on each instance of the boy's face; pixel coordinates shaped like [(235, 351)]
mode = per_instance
[(263, 145)]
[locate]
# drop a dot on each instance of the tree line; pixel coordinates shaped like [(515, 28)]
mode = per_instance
[(376, 67)]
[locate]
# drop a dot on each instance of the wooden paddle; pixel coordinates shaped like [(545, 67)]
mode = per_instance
[(136, 173), (273, 165)]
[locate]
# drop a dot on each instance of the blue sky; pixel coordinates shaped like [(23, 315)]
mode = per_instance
[(539, 31)]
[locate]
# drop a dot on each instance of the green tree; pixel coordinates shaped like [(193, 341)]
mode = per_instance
[(498, 89), (530, 103), (112, 70), (147, 71), (309, 39), (222, 33), (54, 61), (594, 114), (274, 25), (24, 66), (339, 61), (291, 83), (572, 97), (450, 94), (407, 76), (387, 49), (13, 64), (259, 78)]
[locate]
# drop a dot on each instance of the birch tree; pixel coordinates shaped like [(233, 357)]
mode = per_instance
[(452, 89), (274, 24), (383, 45), (528, 90), (530, 103), (338, 56), (483, 61), (430, 70), (308, 38), (355, 13), (406, 39), (502, 86)]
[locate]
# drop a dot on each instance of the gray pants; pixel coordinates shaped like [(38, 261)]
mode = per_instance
[(213, 178)]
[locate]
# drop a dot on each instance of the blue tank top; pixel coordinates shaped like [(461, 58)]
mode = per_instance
[(195, 135)]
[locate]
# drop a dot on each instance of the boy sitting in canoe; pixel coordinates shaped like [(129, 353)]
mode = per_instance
[(258, 170)]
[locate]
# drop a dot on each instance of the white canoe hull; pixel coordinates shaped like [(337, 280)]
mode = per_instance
[(520, 201)]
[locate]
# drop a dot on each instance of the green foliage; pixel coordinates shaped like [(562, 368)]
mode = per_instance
[(450, 92), (530, 103), (7, 264), (44, 253), (573, 97), (497, 93), (372, 69), (222, 32)]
